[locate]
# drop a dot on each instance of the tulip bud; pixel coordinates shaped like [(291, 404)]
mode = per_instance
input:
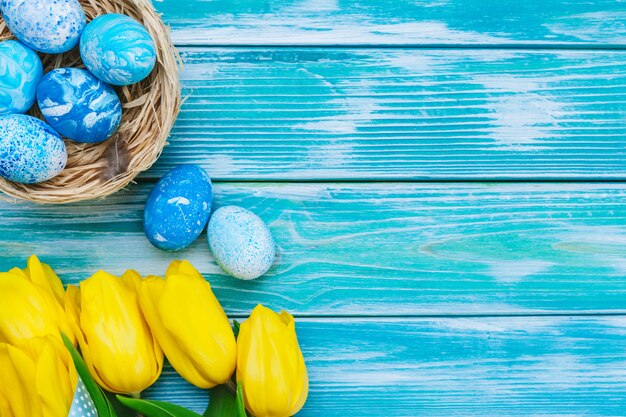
[(116, 343), (38, 380), (31, 304), (190, 325), (270, 365)]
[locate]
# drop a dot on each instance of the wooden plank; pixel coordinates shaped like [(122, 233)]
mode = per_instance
[(374, 249), (395, 22), (336, 114), (514, 367)]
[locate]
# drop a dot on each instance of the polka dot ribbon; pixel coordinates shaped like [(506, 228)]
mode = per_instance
[(82, 405)]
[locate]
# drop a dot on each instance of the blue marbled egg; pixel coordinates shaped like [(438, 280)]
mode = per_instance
[(78, 105), (20, 72), (178, 207), (241, 242), (30, 150), (50, 26), (117, 49)]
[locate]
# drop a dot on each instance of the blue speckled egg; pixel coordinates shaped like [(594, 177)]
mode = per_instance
[(241, 242), (117, 49), (20, 72), (78, 105), (50, 26), (178, 207), (30, 150)]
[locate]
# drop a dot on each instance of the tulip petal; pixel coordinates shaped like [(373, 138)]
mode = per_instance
[(122, 354), (17, 371), (190, 325), (207, 337), (72, 307), (184, 268), (43, 276), (52, 382), (24, 312), (270, 364), (5, 407)]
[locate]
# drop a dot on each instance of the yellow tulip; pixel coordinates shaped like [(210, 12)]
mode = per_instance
[(31, 304), (37, 381), (190, 325), (117, 345), (270, 365)]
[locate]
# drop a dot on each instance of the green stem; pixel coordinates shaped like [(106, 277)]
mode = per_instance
[(137, 396)]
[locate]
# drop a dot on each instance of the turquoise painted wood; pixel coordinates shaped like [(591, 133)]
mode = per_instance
[(412, 298), (487, 367), (371, 114), (376, 249), (396, 22)]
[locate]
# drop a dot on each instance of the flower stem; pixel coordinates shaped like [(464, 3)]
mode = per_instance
[(137, 396)]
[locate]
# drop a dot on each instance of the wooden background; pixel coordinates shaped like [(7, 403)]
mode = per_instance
[(445, 182)]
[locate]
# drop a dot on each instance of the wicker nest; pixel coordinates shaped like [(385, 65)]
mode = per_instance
[(150, 108)]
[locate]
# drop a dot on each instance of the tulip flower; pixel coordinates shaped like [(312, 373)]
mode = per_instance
[(190, 325), (270, 365), (37, 381), (115, 341), (31, 304)]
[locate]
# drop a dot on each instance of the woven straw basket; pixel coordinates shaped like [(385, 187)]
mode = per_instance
[(150, 108)]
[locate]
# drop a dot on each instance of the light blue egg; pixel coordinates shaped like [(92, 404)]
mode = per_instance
[(30, 150), (178, 207), (50, 26), (78, 105), (241, 242), (20, 72), (117, 49)]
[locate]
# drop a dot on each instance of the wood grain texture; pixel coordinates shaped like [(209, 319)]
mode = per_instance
[(395, 22), (307, 114), (488, 367), (371, 249)]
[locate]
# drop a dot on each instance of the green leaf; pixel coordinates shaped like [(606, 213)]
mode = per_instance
[(152, 408), (102, 404), (241, 407), (236, 327), (120, 410), (223, 403)]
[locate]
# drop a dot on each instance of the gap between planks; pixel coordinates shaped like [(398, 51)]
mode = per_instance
[(508, 47)]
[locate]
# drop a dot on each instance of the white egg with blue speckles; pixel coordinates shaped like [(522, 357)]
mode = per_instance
[(20, 73), (50, 26), (117, 49), (30, 150), (241, 242), (78, 105)]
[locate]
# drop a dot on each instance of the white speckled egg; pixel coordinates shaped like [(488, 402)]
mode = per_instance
[(117, 49), (20, 73), (30, 150), (241, 242), (50, 26)]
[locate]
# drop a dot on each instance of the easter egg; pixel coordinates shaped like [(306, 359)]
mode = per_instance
[(78, 105), (50, 26), (241, 242), (178, 207), (20, 72), (30, 150), (117, 49)]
